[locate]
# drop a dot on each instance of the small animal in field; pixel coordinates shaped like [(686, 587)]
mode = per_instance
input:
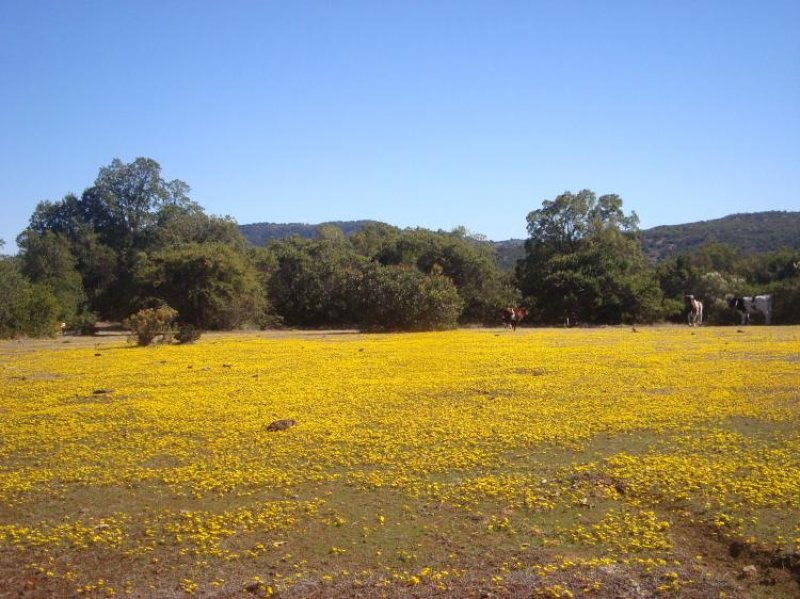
[(281, 425), (512, 316), (757, 304), (695, 310)]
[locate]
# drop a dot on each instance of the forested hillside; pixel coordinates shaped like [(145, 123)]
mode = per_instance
[(750, 233), (261, 233)]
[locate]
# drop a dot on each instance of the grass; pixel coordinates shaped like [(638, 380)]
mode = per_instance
[(546, 463)]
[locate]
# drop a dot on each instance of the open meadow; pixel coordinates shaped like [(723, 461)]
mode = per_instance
[(608, 462)]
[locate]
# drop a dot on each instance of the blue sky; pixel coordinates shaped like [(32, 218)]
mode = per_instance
[(418, 113)]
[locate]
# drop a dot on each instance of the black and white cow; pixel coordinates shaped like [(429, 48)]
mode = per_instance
[(756, 304)]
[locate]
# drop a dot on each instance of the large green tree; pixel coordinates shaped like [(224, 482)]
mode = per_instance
[(398, 298), (112, 223), (584, 263), (469, 262), (46, 259), (25, 308), (211, 285), (313, 279)]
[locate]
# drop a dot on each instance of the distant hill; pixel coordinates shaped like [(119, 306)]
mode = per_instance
[(508, 252), (749, 233), (261, 233)]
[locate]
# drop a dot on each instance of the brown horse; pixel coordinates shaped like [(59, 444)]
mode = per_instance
[(512, 316)]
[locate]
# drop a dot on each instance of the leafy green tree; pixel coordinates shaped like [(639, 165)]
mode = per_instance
[(584, 263), (771, 267), (25, 308), (176, 225), (467, 261), (265, 264), (126, 198), (677, 276), (111, 223), (46, 260), (562, 226), (76, 220), (786, 302), (372, 239), (43, 312), (123, 207), (313, 280), (211, 285), (14, 299), (398, 298)]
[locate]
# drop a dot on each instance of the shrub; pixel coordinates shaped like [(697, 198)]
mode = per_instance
[(786, 306), (187, 333), (395, 298), (84, 323), (43, 312), (145, 325)]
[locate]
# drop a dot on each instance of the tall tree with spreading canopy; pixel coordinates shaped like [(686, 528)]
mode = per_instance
[(584, 263), (111, 223)]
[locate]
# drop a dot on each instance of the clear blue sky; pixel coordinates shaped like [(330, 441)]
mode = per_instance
[(417, 113)]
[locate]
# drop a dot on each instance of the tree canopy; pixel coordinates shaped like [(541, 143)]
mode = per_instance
[(134, 240), (584, 263)]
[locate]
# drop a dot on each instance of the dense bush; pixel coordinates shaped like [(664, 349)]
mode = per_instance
[(187, 333), (212, 285), (149, 323), (25, 309), (84, 323), (395, 298), (786, 302)]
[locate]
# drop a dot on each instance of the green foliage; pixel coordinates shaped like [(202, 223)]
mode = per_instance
[(149, 323), (312, 281), (211, 285), (187, 333), (129, 196), (46, 260), (84, 323), (14, 299), (133, 237), (177, 225), (43, 312), (398, 298), (562, 225), (786, 302), (262, 233), (584, 263), (758, 232), (715, 273), (110, 225), (467, 261), (26, 309), (84, 224)]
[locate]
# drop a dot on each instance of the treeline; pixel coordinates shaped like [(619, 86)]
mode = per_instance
[(584, 264), (135, 241)]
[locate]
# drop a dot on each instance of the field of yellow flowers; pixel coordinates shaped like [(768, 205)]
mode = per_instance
[(603, 462)]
